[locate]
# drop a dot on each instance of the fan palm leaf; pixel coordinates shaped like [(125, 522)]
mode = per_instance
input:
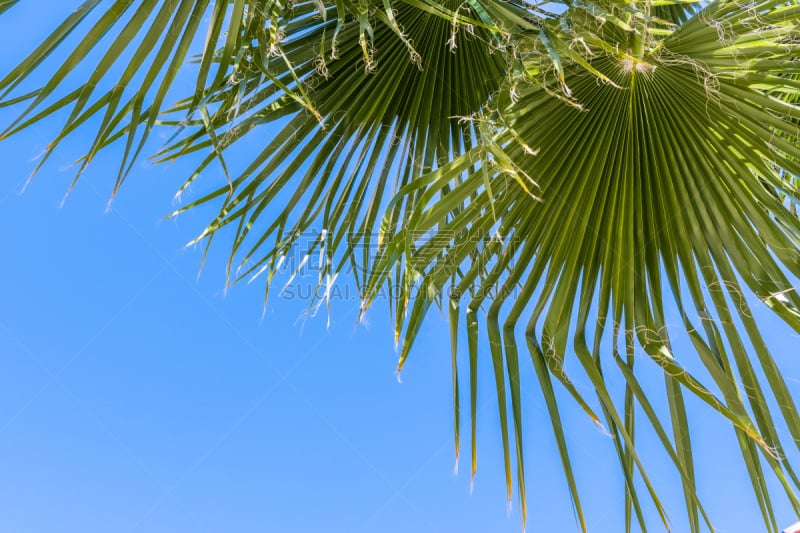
[(669, 177), (557, 179)]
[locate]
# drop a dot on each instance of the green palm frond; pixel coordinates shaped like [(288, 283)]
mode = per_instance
[(557, 179), (668, 179), (376, 131)]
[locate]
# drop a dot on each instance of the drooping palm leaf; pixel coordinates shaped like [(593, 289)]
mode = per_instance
[(567, 174), (669, 178)]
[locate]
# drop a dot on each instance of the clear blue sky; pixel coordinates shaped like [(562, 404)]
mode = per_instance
[(136, 398)]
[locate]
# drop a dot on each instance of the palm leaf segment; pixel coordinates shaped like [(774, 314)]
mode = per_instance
[(556, 176)]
